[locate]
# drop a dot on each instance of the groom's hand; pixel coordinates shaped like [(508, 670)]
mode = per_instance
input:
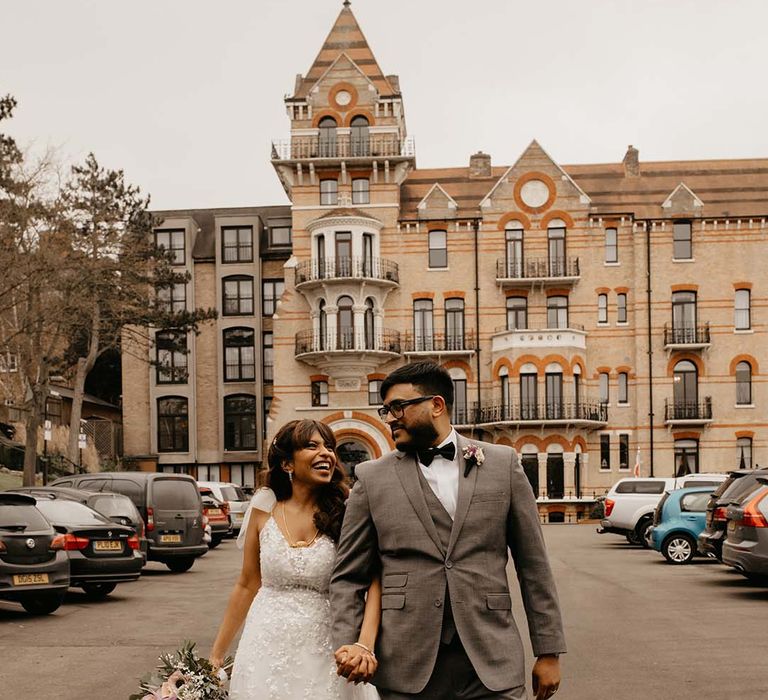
[(355, 663), (546, 676)]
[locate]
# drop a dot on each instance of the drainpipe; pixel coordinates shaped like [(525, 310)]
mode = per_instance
[(650, 337), (476, 227)]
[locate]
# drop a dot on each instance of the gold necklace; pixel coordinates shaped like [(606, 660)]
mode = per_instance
[(289, 537)]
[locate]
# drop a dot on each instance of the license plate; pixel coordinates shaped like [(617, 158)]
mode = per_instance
[(731, 525), (107, 546), (239, 516), (214, 511), (29, 579), (170, 539)]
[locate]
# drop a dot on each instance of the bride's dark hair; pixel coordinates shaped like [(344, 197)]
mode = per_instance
[(292, 437)]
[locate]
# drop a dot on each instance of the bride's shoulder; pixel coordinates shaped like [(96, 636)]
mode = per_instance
[(264, 500)]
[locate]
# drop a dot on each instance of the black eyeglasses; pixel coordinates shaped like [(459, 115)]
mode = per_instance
[(397, 408)]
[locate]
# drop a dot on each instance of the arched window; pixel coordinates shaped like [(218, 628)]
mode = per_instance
[(686, 389), (323, 326), (327, 139), (370, 325), (505, 396), (240, 422), (454, 324), (360, 136), (743, 384), (172, 424), (513, 235), (346, 324), (556, 248), (239, 355)]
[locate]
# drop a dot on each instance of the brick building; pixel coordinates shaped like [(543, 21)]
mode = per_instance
[(595, 317)]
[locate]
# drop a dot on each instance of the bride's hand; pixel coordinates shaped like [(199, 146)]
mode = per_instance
[(355, 663)]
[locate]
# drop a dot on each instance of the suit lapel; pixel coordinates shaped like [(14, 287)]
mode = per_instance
[(466, 490), (406, 471)]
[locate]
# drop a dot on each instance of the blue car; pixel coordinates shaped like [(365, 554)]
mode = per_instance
[(679, 519)]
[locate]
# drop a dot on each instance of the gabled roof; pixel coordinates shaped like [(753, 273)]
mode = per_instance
[(346, 37), (685, 189), (451, 201)]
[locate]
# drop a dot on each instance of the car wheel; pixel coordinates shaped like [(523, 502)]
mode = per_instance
[(97, 591), (678, 548), (179, 566), (215, 542), (643, 532), (43, 603), (632, 538)]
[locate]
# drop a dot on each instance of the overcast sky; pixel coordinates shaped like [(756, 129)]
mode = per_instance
[(185, 95)]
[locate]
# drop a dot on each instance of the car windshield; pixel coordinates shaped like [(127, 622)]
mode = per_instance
[(70, 513), (21, 517), (114, 505), (232, 493), (175, 494)]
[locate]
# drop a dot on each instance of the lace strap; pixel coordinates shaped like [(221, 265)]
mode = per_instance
[(264, 500)]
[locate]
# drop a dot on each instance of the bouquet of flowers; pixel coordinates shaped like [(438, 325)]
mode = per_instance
[(184, 675)]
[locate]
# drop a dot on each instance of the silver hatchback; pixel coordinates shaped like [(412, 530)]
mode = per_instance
[(746, 544)]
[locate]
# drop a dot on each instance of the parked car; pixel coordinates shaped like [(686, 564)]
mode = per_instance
[(101, 553), (115, 506), (34, 568), (739, 483), (746, 545), (631, 502), (677, 522), (233, 496), (170, 506), (217, 513)]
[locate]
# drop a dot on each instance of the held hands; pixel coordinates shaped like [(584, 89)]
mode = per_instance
[(355, 663), (546, 676)]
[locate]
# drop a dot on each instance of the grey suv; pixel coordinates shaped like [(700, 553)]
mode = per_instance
[(170, 505)]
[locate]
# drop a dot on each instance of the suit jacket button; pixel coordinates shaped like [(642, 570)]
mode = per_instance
[(438, 603), (448, 564)]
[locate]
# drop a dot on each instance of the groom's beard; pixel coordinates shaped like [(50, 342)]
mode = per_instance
[(418, 436)]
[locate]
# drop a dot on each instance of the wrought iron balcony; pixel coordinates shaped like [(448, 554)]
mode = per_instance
[(578, 413), (689, 337), (563, 270), (439, 343), (688, 412), (311, 342), (345, 268), (343, 146)]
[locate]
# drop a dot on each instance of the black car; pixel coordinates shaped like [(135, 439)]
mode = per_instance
[(739, 483), (115, 506), (101, 553), (171, 508), (34, 568)]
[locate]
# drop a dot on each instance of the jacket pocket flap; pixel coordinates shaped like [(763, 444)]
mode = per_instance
[(392, 601), (480, 496), (394, 580), (499, 601)]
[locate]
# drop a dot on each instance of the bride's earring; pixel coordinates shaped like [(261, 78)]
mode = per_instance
[(290, 476)]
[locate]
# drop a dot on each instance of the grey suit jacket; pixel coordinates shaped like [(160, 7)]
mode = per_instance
[(388, 527)]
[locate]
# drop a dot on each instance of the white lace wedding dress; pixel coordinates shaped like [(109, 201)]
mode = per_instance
[(285, 650)]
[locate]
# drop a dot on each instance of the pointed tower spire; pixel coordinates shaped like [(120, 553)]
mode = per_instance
[(347, 38)]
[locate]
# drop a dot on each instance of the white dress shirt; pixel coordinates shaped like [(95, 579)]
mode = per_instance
[(443, 476)]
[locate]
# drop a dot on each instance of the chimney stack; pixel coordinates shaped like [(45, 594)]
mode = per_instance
[(480, 165), (632, 162)]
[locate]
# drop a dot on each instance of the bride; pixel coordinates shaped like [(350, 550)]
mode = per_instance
[(289, 538)]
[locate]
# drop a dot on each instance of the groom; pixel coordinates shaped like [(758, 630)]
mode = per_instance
[(437, 518)]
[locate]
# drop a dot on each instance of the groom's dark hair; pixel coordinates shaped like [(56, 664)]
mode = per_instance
[(427, 377)]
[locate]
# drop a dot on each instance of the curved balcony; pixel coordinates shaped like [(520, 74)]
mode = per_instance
[(439, 344), (346, 347), (545, 271), (372, 270), (688, 412), (582, 413), (687, 338)]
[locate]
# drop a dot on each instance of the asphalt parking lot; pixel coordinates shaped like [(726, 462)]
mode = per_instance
[(636, 627)]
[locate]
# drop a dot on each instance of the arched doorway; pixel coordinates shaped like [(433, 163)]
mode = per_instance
[(351, 452)]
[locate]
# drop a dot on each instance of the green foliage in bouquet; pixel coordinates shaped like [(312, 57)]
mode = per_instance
[(184, 675)]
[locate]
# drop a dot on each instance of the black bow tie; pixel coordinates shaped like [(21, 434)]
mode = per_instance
[(446, 451)]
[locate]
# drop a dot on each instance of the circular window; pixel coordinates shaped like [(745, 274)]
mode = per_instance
[(343, 98), (351, 453), (534, 193)]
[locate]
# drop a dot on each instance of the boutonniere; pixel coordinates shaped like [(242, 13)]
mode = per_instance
[(474, 457)]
